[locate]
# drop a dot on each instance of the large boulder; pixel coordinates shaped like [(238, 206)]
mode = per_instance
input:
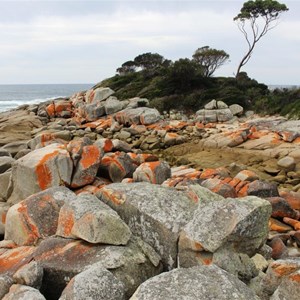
[(86, 167), (92, 112), (91, 220), (94, 283), (240, 224), (116, 166), (112, 105), (201, 282), (62, 259), (59, 109), (140, 115), (98, 94), (39, 170), (154, 213), (36, 217)]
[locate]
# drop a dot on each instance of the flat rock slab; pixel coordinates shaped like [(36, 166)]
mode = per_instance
[(153, 212), (201, 282)]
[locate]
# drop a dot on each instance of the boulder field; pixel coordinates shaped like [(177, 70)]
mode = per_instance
[(109, 199)]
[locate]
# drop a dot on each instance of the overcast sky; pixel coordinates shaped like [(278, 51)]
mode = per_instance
[(86, 41)]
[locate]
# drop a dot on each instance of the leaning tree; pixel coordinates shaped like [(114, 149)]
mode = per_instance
[(255, 19)]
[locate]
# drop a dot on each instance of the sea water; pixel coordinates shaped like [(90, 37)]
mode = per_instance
[(14, 95)]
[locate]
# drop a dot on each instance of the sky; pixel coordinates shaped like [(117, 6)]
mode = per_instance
[(86, 41)]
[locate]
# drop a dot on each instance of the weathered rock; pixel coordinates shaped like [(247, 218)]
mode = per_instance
[(238, 264), (289, 287), (154, 172), (5, 186), (105, 145), (15, 129), (5, 283), (94, 283), (236, 109), (5, 163), (121, 146), (62, 259), (140, 115), (91, 220), (20, 292), (116, 166), (42, 168), (138, 102), (194, 283), (276, 274), (211, 105), (30, 274), (12, 259), (92, 112), (98, 94), (246, 175), (281, 208), (4, 152), (153, 212), (279, 250), (229, 223), (86, 168), (112, 105), (224, 115), (149, 116), (36, 217), (262, 189), (59, 109), (217, 186), (287, 163)]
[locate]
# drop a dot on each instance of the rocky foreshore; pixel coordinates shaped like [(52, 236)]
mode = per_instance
[(109, 199)]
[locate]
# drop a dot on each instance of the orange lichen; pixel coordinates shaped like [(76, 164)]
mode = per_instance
[(90, 155), (283, 270), (108, 145), (43, 172), (66, 221), (11, 260), (295, 277), (208, 173), (3, 217), (113, 196), (28, 226)]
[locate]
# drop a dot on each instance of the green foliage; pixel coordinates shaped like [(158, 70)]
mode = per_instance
[(280, 101), (209, 59), (127, 67), (269, 9), (181, 85)]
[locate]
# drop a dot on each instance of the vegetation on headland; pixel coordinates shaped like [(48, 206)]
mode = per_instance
[(182, 85), (187, 84)]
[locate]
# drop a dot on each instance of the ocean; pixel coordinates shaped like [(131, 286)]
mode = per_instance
[(14, 95)]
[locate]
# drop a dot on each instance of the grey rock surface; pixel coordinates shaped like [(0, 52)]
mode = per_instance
[(203, 282)]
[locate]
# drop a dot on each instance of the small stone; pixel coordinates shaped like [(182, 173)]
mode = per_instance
[(287, 163)]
